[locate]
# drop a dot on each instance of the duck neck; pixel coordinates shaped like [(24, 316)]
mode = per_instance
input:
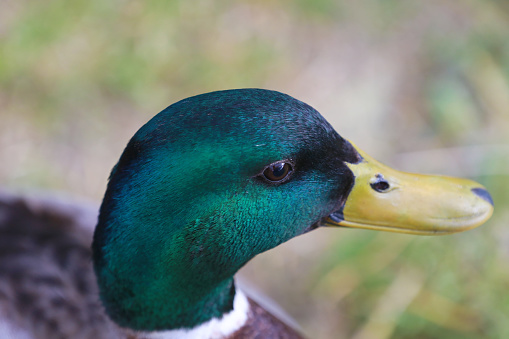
[(176, 282), (147, 299), (222, 327)]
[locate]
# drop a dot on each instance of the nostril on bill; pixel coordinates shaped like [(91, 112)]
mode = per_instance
[(482, 193)]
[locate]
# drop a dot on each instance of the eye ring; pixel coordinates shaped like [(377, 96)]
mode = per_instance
[(278, 172), (380, 184)]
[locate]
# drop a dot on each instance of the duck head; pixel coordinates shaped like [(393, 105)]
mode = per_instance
[(215, 179)]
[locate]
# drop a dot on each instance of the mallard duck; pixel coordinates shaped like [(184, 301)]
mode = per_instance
[(203, 187)]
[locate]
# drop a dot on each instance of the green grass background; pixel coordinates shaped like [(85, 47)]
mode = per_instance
[(420, 85)]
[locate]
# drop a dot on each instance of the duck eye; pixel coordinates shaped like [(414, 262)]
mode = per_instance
[(380, 184), (278, 171)]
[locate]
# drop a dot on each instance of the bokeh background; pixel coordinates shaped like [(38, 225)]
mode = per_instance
[(420, 85)]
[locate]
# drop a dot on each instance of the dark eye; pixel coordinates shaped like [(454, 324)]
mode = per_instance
[(380, 184), (278, 171)]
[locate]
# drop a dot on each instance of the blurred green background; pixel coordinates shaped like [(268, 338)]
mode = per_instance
[(420, 85)]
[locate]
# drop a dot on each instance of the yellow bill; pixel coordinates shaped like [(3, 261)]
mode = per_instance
[(389, 200)]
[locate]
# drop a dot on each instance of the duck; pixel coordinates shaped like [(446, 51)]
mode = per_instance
[(200, 189)]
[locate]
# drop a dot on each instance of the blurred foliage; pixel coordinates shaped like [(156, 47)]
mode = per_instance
[(423, 85)]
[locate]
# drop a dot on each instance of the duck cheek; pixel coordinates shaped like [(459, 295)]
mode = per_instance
[(301, 211), (262, 216)]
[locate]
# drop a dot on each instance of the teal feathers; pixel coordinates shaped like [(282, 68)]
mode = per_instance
[(186, 205)]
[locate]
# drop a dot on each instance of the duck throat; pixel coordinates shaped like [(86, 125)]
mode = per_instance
[(155, 307), (155, 274), (217, 328)]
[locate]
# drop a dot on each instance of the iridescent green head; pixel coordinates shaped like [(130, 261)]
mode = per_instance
[(206, 185)]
